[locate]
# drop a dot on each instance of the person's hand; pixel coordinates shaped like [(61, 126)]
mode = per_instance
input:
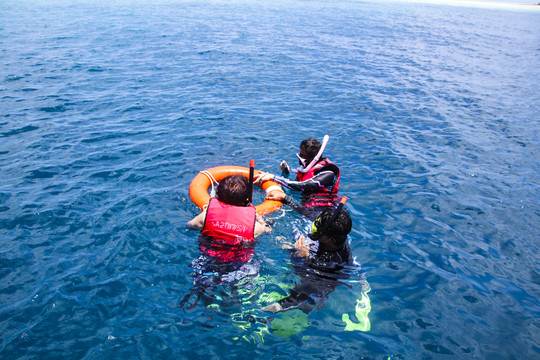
[(276, 195), (301, 248), (285, 167), (259, 179)]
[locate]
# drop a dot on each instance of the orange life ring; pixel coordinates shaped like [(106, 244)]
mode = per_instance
[(198, 189)]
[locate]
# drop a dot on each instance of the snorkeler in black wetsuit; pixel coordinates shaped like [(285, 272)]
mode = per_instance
[(320, 261)]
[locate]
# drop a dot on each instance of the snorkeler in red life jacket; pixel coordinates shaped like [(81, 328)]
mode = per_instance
[(228, 232), (229, 224), (317, 178)]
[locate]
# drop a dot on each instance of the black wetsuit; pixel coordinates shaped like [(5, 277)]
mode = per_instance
[(328, 177), (325, 178), (320, 273)]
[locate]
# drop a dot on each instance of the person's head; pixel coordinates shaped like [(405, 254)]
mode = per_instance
[(234, 190), (308, 150), (332, 235)]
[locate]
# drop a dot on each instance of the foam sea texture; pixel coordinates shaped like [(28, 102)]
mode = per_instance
[(516, 5), (110, 109)]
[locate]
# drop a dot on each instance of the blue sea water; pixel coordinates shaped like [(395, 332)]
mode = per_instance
[(110, 109)]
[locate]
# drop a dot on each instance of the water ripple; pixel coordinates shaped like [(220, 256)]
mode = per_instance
[(109, 111)]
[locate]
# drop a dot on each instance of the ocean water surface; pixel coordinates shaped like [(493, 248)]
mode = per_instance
[(110, 109)]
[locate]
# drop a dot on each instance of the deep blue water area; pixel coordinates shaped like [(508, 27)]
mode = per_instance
[(110, 108)]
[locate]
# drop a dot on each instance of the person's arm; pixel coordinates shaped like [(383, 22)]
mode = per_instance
[(197, 222), (307, 212), (279, 195), (323, 179)]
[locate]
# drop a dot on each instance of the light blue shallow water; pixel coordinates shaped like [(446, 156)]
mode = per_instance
[(108, 111)]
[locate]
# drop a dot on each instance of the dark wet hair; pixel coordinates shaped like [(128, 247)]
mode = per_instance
[(338, 229), (309, 148), (233, 190)]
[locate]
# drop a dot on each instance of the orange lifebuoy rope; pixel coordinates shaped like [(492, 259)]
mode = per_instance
[(198, 189)]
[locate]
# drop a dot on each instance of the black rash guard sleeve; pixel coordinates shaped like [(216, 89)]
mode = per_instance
[(310, 213), (294, 205), (323, 179)]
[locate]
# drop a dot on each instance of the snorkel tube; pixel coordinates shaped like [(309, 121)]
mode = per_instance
[(317, 157), (250, 184)]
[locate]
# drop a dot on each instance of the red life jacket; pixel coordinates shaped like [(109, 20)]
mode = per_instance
[(324, 196), (230, 230)]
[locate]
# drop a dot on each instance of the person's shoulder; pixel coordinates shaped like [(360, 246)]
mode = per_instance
[(330, 166), (342, 256), (346, 255)]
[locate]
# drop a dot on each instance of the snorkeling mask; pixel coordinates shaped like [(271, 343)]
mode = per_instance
[(316, 234), (301, 160)]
